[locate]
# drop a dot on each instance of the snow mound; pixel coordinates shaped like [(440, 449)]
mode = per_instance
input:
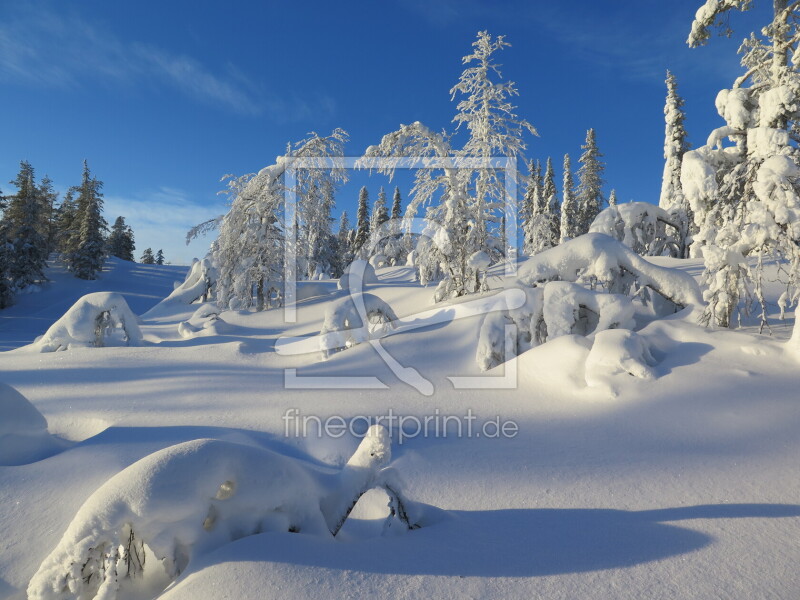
[(23, 430), (204, 321), (344, 324), (615, 353), (357, 274), (95, 320), (600, 259), (198, 285), (148, 522), (379, 260)]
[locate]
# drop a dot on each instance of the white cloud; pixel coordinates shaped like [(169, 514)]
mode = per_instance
[(44, 48), (160, 219)]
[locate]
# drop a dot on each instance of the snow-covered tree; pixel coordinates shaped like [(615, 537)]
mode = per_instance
[(6, 289), (259, 227), (612, 198), (147, 257), (569, 205), (160, 257), (397, 207), (88, 248), (316, 238), (463, 206), (27, 227), (746, 197), (589, 192), (344, 238), (380, 213), (542, 228), (675, 146), (362, 222), (120, 242), (646, 229)]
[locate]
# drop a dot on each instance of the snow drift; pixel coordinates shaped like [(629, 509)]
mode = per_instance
[(344, 325), (96, 320), (198, 285)]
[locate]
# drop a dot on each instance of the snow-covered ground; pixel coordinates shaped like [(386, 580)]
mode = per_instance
[(682, 485)]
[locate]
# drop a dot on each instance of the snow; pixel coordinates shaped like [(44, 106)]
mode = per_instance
[(95, 320), (23, 430), (684, 484), (197, 285)]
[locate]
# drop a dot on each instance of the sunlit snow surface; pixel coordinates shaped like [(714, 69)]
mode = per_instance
[(685, 484)]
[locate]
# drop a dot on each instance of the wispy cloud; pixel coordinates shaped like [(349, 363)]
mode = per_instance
[(161, 217), (42, 47)]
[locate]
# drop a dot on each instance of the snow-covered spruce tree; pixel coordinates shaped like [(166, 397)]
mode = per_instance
[(675, 146), (362, 223), (542, 228), (6, 291), (249, 252), (463, 205), (27, 227), (120, 242), (344, 252), (88, 248), (746, 197), (315, 238), (589, 192), (530, 201), (569, 205), (397, 209), (147, 257), (160, 257), (612, 198), (380, 213)]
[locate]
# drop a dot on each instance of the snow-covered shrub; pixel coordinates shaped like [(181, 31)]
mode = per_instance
[(344, 327), (356, 275), (646, 229), (150, 520), (495, 337), (95, 320), (584, 286), (618, 352), (596, 260), (23, 430), (197, 287)]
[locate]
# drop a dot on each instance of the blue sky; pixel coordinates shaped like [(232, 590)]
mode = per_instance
[(163, 98)]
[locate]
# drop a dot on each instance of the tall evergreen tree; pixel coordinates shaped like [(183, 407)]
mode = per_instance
[(27, 229), (147, 257), (88, 255), (49, 197), (66, 224), (380, 213), (6, 292), (569, 205), (542, 228), (120, 242), (362, 223), (612, 198), (160, 257), (589, 193), (675, 146), (343, 245), (397, 205)]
